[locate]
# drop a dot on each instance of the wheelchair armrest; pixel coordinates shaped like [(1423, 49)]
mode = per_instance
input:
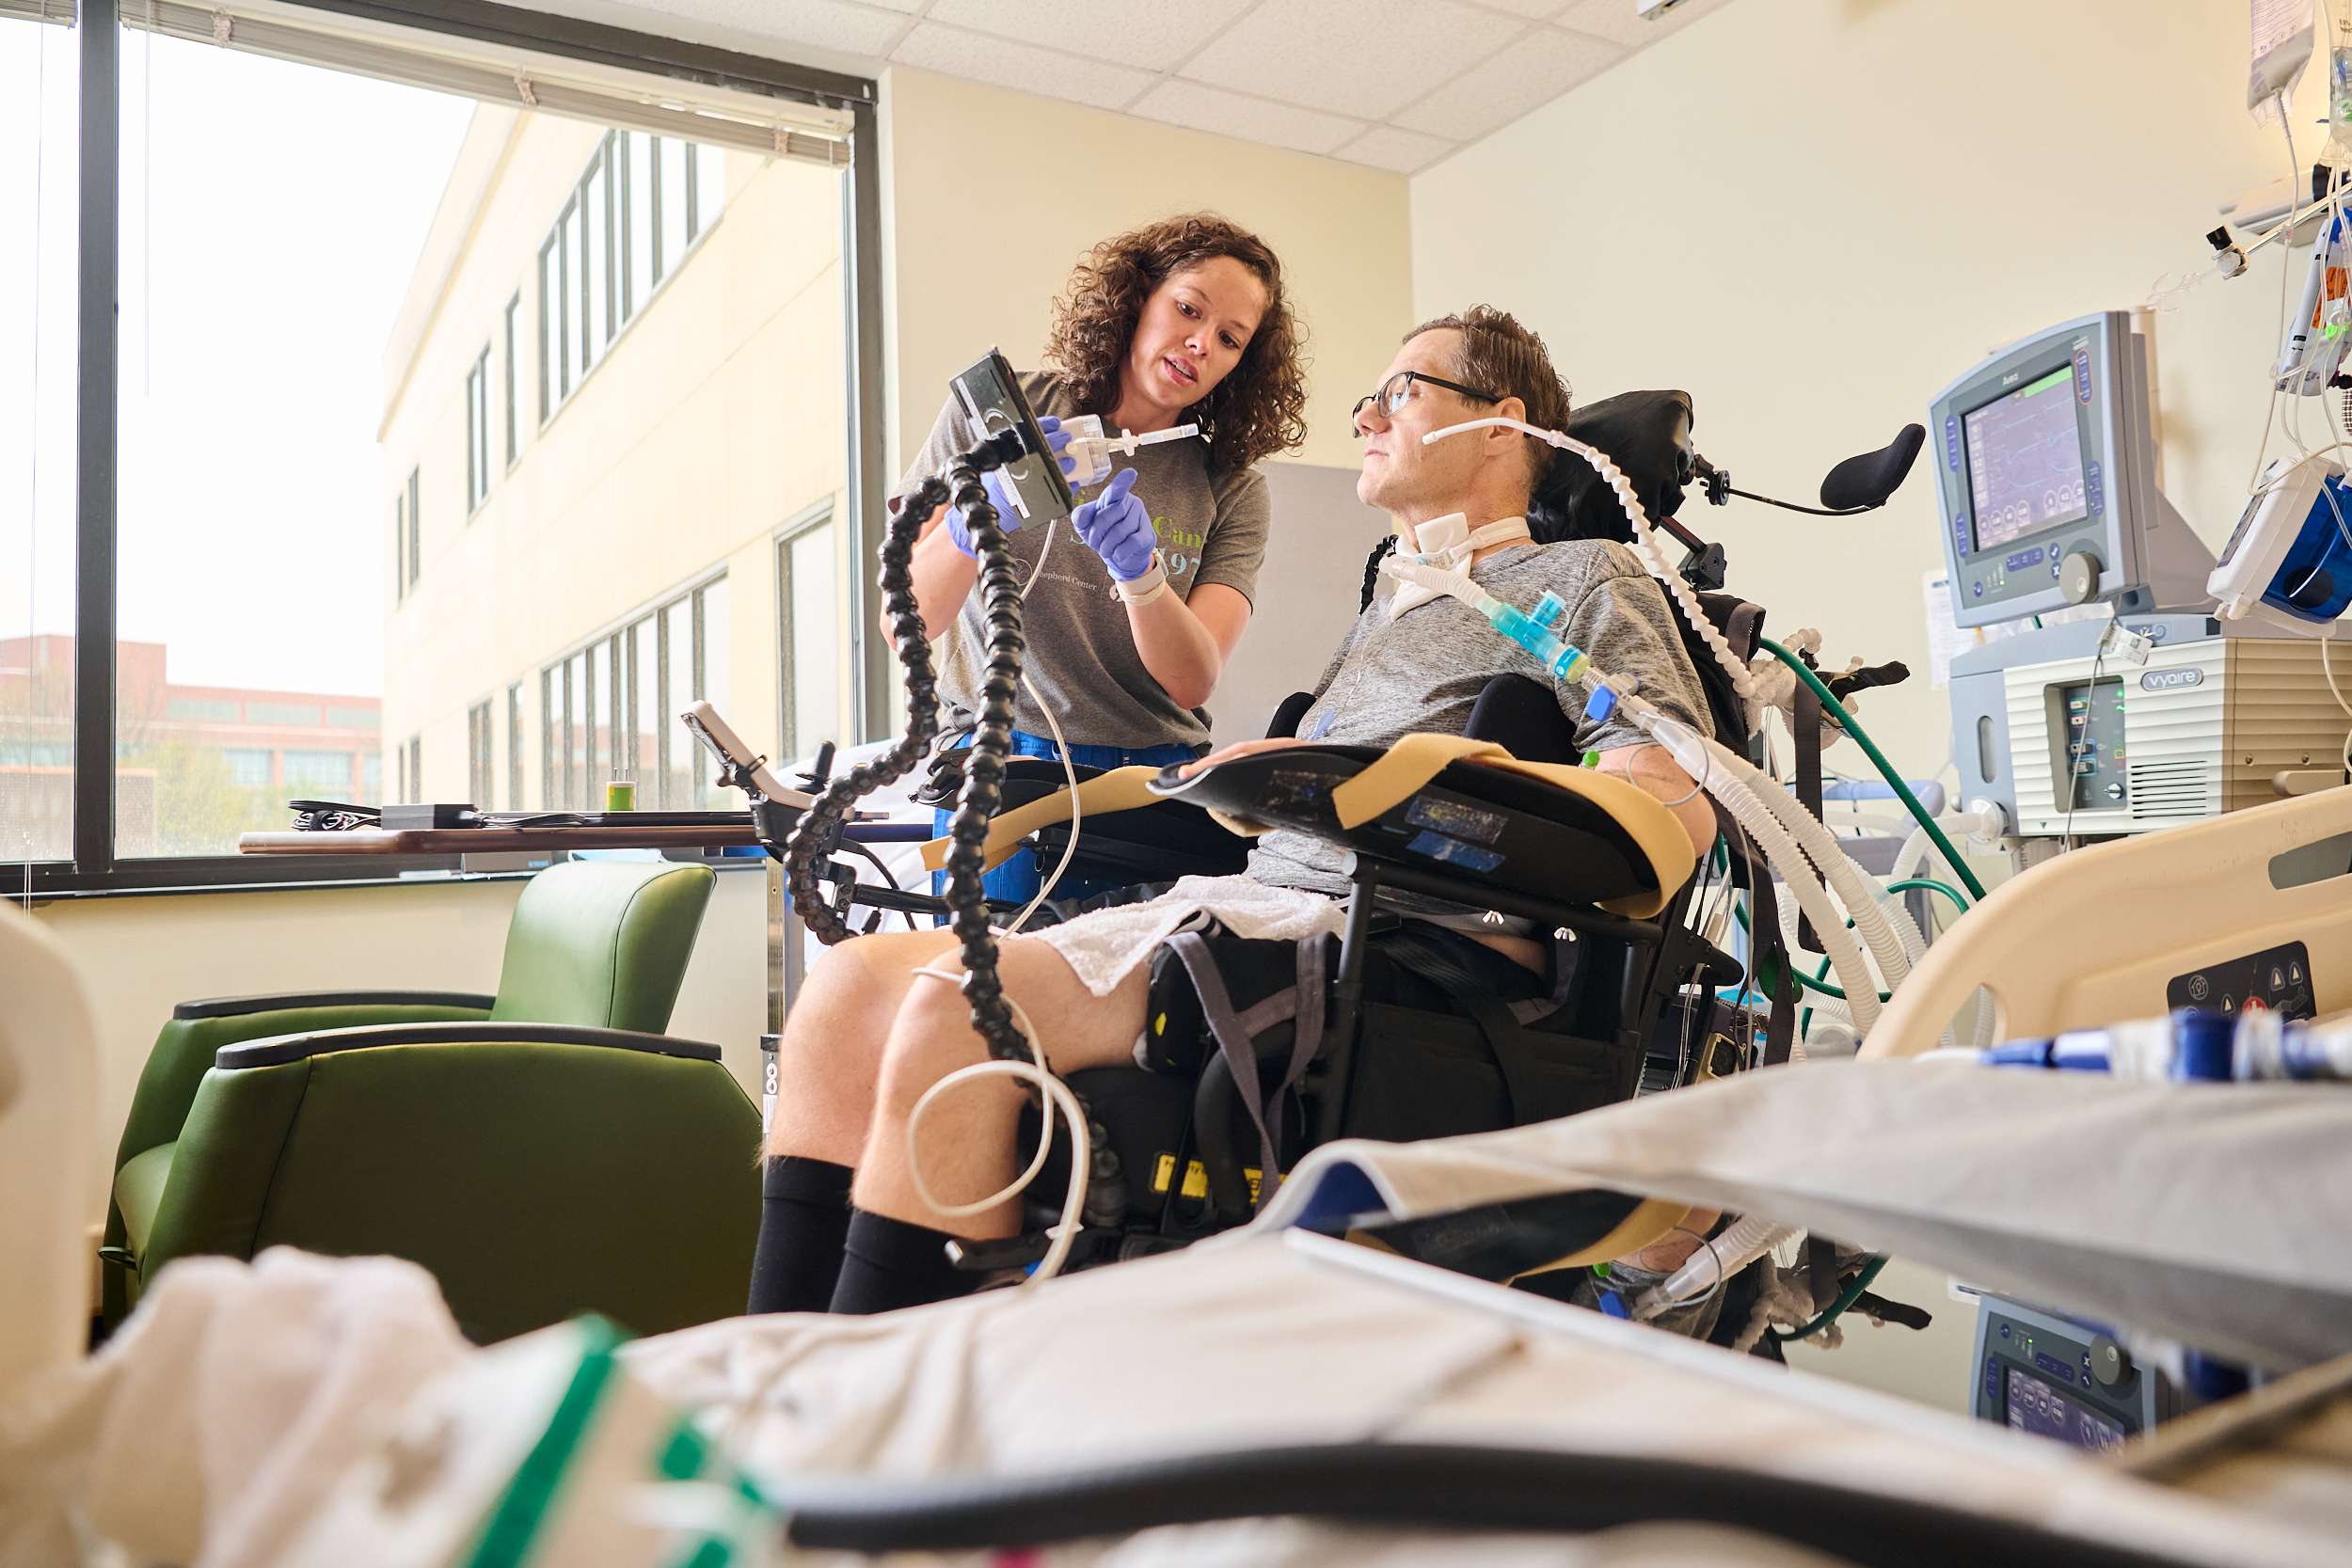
[(236, 1006), (294, 1048)]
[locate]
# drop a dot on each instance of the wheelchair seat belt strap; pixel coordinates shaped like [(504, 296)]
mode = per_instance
[(1120, 789), (1235, 1032)]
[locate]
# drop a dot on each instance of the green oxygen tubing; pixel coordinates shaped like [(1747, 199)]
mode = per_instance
[(1837, 714)]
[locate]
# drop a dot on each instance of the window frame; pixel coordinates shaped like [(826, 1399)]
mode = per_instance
[(93, 868)]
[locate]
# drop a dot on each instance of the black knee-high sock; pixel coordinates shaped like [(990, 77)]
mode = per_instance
[(803, 1219), (889, 1263)]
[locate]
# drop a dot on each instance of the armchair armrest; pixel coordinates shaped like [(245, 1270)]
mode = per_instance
[(294, 1047), (236, 1006)]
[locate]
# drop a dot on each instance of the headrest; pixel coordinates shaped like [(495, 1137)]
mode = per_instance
[(1643, 433)]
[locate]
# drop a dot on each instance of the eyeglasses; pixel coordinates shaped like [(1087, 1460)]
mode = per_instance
[(1393, 391)]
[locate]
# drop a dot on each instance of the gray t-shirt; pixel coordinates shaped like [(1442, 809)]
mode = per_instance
[(1082, 655), (1422, 672)]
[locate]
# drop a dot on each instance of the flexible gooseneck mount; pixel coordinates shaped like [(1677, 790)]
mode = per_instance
[(818, 833)]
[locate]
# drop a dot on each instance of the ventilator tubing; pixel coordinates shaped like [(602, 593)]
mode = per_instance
[(1645, 546), (1707, 762)]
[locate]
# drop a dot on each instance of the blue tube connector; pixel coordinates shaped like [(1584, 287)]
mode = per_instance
[(1562, 660)]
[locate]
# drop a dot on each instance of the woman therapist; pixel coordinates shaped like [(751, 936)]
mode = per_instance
[(1129, 624)]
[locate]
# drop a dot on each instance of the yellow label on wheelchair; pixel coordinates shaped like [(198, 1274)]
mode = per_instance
[(1197, 1177)]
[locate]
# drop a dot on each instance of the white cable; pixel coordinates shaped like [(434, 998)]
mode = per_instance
[(1069, 770), (1081, 1140)]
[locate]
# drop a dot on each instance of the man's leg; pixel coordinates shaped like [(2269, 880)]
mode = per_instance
[(895, 1245), (827, 1064)]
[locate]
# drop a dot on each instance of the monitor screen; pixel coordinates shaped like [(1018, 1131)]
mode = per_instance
[(2037, 1407), (2025, 461)]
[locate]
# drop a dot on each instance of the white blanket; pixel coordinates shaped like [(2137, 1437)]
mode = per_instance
[(211, 1425)]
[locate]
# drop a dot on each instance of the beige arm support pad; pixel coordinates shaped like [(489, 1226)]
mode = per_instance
[(2090, 938), (1120, 789), (1415, 760)]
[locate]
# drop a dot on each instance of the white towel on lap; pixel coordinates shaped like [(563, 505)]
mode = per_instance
[(1104, 946)]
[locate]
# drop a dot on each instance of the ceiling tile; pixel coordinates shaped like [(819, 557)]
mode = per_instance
[(1615, 20), (1534, 10), (1250, 119), (1026, 66), (1386, 146), (1362, 57), (1531, 71), (1149, 34), (904, 8)]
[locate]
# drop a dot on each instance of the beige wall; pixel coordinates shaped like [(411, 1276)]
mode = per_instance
[(1813, 213), (976, 258)]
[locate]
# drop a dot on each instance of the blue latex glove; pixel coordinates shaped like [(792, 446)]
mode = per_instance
[(1006, 518), (1118, 528)]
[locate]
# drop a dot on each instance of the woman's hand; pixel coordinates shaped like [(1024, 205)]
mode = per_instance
[(1239, 749), (1118, 528), (1000, 494)]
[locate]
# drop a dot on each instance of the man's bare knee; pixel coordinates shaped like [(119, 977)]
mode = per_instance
[(829, 1058)]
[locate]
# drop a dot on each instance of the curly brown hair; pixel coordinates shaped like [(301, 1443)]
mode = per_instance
[(1259, 408)]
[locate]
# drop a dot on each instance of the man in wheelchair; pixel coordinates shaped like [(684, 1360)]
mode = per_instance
[(853, 1209)]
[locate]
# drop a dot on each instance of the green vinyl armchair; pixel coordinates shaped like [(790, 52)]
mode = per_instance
[(543, 1151)]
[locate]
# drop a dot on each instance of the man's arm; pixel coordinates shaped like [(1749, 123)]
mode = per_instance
[(1654, 770)]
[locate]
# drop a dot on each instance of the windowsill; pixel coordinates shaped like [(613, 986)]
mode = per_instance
[(693, 248), (418, 877)]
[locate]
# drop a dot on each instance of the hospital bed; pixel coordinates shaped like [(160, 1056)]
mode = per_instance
[(1217, 1395)]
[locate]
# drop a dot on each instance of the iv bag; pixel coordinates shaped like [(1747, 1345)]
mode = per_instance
[(2282, 46)]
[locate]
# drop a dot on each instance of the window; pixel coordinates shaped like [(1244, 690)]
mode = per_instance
[(249, 768), (295, 715), (513, 409), (323, 773), (808, 617), (609, 709), (233, 639), (479, 738), (477, 432), (515, 747), (416, 532), (638, 272), (710, 185)]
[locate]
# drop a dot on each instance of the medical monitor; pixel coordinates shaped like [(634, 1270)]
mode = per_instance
[(2045, 456)]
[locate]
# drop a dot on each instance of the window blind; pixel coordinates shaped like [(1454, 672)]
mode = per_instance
[(664, 107)]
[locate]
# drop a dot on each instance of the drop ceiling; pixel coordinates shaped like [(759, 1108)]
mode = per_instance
[(1396, 84)]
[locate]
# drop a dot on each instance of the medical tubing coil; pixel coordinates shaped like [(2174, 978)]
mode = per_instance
[(813, 837), (1645, 545), (1693, 754)]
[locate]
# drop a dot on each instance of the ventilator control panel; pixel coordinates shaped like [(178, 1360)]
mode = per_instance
[(2054, 1377)]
